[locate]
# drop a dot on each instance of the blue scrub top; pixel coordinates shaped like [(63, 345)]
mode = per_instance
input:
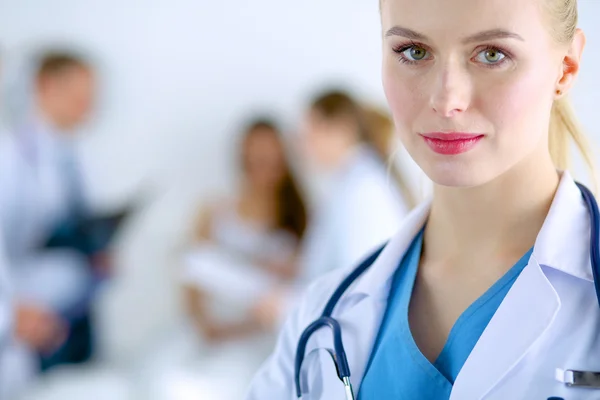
[(398, 369)]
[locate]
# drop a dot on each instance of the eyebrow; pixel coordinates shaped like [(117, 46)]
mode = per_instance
[(478, 37), (405, 32), (492, 34)]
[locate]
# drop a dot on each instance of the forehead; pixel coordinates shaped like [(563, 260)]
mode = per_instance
[(262, 135), (454, 19), (81, 73)]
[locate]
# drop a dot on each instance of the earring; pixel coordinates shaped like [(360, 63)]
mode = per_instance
[(558, 92)]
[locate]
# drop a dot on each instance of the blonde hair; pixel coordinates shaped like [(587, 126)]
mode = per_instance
[(564, 127), (380, 132)]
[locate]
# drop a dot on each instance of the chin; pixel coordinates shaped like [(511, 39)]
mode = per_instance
[(457, 174), (465, 170)]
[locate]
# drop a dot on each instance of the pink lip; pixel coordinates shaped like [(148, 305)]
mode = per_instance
[(450, 143)]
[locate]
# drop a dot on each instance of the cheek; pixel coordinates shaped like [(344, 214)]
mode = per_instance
[(308, 144), (405, 96), (513, 107), (317, 144)]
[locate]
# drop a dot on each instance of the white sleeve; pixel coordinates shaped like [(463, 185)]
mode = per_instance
[(8, 180), (275, 379), (6, 315), (9, 183), (371, 214), (316, 251)]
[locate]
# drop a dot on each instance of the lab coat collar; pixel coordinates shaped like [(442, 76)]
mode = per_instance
[(44, 127), (558, 244), (40, 137), (382, 270), (532, 304), (563, 242)]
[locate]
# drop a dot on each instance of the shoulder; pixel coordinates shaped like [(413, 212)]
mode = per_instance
[(367, 173), (7, 141), (203, 218), (317, 294), (368, 191), (215, 205), (10, 159)]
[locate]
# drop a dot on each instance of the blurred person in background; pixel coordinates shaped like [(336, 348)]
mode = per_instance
[(2, 86), (363, 207), (241, 246), (6, 314), (262, 226), (6, 319), (41, 189)]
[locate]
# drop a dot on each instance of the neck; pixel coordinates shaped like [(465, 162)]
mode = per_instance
[(501, 218), (345, 154), (258, 204), (256, 195), (50, 116)]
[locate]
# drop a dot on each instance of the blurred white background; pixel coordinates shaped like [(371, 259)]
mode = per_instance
[(179, 76)]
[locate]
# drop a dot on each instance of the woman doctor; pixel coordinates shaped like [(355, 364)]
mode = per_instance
[(485, 292)]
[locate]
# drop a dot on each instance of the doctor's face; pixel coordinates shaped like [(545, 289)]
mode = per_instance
[(470, 83)]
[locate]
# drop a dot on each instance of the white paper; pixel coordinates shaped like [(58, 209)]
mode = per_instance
[(225, 276)]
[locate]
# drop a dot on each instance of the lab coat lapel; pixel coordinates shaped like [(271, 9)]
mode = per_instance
[(360, 334), (531, 305), (525, 314), (361, 309), (359, 323)]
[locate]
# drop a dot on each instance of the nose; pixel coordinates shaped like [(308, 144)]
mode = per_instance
[(451, 94)]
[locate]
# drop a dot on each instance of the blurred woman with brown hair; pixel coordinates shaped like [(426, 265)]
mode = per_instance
[(242, 247), (260, 229), (363, 206)]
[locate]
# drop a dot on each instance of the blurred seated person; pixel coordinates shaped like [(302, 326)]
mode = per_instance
[(254, 236), (41, 194), (241, 246)]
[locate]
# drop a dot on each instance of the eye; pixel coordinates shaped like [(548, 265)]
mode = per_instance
[(414, 53), (490, 56)]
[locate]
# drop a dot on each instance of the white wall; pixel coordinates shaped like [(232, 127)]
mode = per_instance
[(586, 95), (179, 74)]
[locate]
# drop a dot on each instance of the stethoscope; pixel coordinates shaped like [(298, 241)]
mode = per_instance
[(338, 353)]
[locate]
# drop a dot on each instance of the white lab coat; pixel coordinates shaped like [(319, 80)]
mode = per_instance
[(6, 327), (549, 320), (362, 210), (34, 197), (36, 194), (6, 314), (5, 295)]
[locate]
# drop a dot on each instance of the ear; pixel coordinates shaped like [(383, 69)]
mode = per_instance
[(571, 63)]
